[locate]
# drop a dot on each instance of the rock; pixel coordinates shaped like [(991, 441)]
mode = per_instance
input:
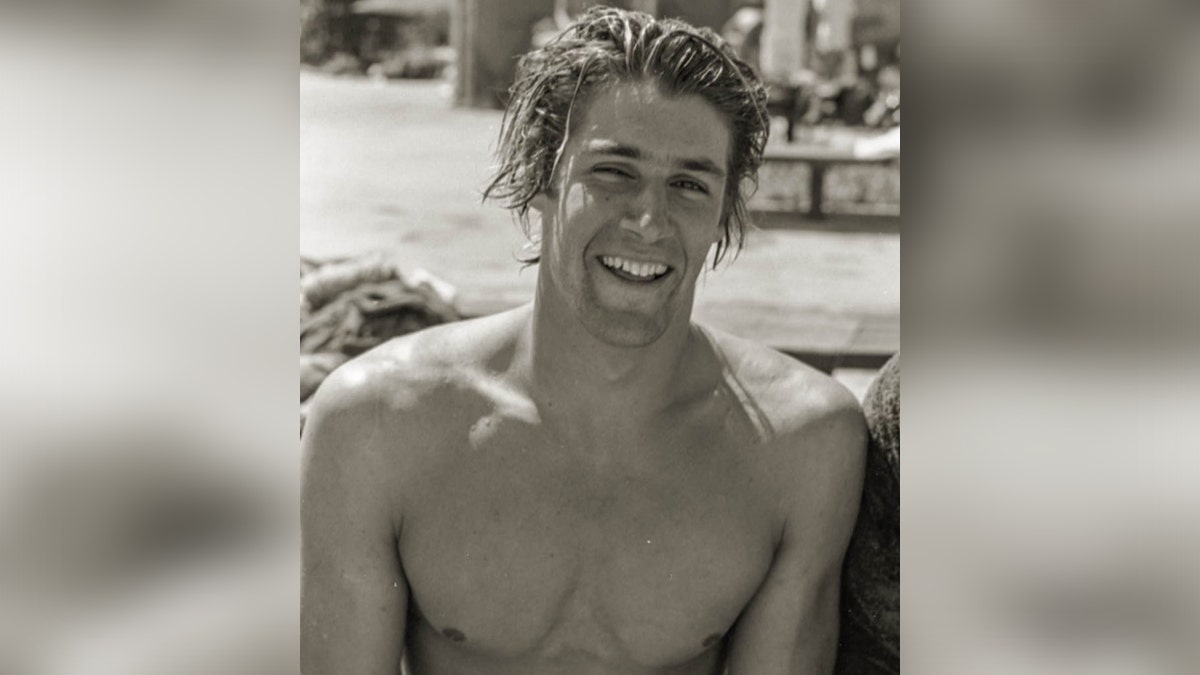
[(870, 633)]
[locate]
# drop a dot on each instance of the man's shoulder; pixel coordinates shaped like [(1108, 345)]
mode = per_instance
[(379, 408), (795, 399), (411, 371), (815, 450)]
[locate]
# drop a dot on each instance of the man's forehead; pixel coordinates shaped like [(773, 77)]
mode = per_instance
[(637, 120)]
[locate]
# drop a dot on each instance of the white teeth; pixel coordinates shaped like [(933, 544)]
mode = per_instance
[(636, 269)]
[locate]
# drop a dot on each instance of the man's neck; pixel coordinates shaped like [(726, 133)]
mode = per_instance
[(575, 376)]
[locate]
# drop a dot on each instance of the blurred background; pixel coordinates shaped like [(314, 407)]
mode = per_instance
[(401, 102), (1050, 516), (1050, 513), (148, 234), (148, 464)]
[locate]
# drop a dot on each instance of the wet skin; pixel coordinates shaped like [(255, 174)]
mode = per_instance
[(543, 555), (590, 484)]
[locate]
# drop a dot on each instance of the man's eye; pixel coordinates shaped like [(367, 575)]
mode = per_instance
[(693, 185), (612, 171)]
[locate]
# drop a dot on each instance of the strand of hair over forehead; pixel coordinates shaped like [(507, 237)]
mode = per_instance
[(685, 51), (676, 46)]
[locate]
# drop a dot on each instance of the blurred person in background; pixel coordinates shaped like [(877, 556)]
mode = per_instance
[(591, 483), (885, 109), (743, 33)]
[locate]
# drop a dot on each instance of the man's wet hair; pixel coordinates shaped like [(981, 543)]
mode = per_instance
[(605, 46)]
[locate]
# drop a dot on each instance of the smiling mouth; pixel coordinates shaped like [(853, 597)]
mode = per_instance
[(631, 270)]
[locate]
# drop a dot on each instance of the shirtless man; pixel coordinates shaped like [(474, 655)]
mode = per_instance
[(592, 483)]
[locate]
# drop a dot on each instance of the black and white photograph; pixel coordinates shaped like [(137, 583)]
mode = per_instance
[(600, 324), (600, 334)]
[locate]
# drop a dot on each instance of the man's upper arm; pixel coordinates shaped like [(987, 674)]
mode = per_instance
[(354, 596), (791, 624)]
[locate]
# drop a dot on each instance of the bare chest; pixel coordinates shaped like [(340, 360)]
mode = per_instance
[(518, 548)]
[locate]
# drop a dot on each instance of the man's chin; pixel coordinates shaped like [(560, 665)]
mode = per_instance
[(625, 328), (627, 320)]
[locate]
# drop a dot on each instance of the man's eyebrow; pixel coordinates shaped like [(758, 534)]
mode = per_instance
[(703, 166), (699, 164), (612, 148)]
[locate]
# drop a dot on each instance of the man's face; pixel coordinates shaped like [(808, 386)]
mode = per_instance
[(641, 190)]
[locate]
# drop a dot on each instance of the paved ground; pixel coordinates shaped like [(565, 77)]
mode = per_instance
[(393, 166)]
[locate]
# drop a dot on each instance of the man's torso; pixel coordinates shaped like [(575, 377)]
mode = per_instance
[(624, 550)]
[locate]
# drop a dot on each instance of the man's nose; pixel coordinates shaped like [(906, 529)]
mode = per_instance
[(647, 214)]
